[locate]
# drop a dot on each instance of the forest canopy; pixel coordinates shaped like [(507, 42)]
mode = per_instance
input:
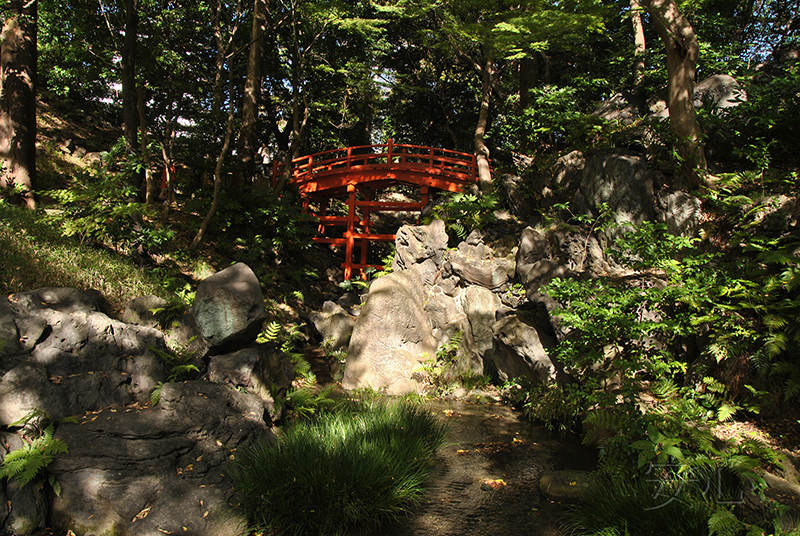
[(301, 76)]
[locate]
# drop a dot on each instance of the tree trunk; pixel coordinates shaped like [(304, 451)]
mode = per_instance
[(130, 110), (481, 150), (528, 75), (639, 44), (682, 53), (248, 140), (217, 173), (18, 59), (151, 188)]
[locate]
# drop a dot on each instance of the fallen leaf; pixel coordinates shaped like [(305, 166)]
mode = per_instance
[(141, 515)]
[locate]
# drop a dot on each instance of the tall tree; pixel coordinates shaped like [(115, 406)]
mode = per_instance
[(18, 58), (130, 106), (248, 138), (639, 43), (682, 51)]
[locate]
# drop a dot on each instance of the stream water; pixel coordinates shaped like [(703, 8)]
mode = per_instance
[(486, 476)]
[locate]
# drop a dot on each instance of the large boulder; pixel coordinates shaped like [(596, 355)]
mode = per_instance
[(139, 311), (682, 212), (65, 299), (262, 370), (521, 344), (335, 325), (229, 308), (156, 471), (23, 509), (620, 180), (719, 91), (391, 337), (477, 265), (421, 247), (481, 306), (72, 359)]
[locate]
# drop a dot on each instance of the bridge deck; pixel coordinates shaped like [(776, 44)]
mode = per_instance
[(365, 170)]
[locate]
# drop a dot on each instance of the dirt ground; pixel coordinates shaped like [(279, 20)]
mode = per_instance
[(486, 476)]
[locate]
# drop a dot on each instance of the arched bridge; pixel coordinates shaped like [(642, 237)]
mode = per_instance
[(359, 173)]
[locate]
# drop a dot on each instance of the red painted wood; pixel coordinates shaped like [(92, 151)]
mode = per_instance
[(365, 169)]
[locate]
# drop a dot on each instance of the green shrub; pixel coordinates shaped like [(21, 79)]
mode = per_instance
[(464, 212), (98, 208), (357, 465)]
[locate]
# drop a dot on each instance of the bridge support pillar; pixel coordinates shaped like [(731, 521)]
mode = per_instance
[(351, 218)]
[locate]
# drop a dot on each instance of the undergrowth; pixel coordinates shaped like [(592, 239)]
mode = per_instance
[(36, 255)]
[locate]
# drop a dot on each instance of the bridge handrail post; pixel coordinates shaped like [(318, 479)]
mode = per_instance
[(349, 157), (389, 152)]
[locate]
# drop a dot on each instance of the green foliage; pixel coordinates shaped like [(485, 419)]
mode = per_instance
[(179, 360), (98, 207), (463, 212), (305, 402), (652, 403), (436, 371), (559, 407), (553, 121), (261, 224), (287, 339), (761, 129), (361, 464), (351, 285), (27, 463)]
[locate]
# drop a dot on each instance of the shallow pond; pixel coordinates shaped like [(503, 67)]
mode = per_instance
[(486, 476)]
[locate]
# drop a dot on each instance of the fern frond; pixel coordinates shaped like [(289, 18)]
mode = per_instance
[(273, 331)]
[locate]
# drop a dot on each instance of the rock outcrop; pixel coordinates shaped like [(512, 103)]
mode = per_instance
[(391, 337), (134, 468)]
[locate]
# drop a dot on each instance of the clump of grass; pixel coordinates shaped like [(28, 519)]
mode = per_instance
[(360, 464), (36, 255), (705, 499)]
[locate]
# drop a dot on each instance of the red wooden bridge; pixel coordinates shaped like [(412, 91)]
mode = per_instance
[(359, 173)]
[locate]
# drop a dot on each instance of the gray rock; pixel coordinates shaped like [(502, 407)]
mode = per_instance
[(23, 510), (26, 509), (65, 299), (79, 361), (146, 472), (478, 265), (334, 324), (185, 335), (139, 311), (26, 388), (536, 275), (521, 349), (262, 370), (533, 247), (579, 251), (622, 181), (229, 308), (391, 337), (720, 91), (480, 306), (422, 248)]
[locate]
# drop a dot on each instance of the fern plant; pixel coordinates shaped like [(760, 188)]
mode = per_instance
[(288, 338), (463, 212), (26, 464)]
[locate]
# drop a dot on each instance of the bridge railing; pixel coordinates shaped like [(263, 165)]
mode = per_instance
[(455, 164)]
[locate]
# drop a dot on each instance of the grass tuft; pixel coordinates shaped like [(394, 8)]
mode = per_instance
[(362, 464)]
